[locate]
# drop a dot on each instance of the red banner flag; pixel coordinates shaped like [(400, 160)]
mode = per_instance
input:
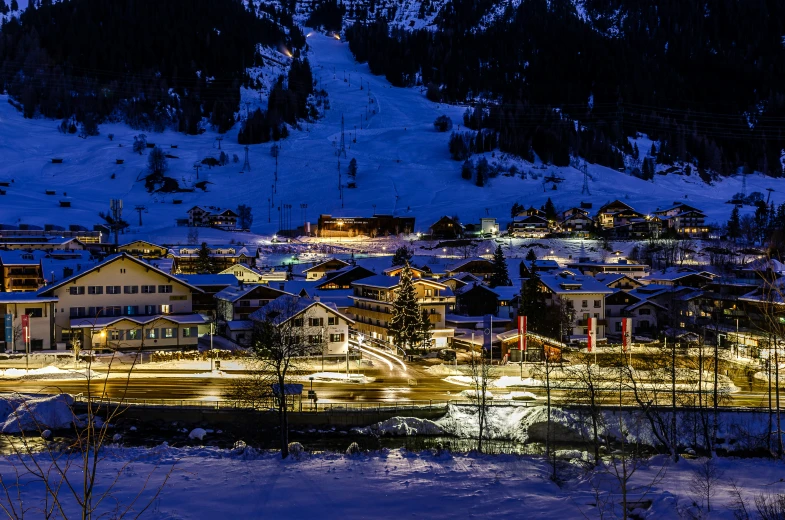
[(25, 327), (626, 333), (592, 332), (522, 332)]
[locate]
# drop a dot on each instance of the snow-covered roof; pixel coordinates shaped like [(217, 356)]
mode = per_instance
[(201, 280), (17, 257), (236, 292), (456, 267), (577, 284), (286, 307), (236, 325), (105, 321), (322, 264), (111, 260)]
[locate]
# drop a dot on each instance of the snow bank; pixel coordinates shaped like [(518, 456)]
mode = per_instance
[(53, 412), (405, 427), (518, 396), (47, 372), (197, 434)]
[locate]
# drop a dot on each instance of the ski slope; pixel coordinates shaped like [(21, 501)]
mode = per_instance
[(404, 167)]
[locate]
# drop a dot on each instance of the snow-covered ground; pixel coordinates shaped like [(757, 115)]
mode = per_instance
[(208, 483), (404, 168)]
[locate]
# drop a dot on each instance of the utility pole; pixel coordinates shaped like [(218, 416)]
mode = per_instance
[(219, 139), (139, 209), (585, 169), (269, 209), (196, 167)]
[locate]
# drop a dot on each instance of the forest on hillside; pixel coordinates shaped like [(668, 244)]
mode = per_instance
[(155, 65), (702, 78)]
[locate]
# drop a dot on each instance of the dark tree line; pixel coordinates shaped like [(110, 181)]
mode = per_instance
[(703, 78), (327, 14), (287, 103), (156, 64)]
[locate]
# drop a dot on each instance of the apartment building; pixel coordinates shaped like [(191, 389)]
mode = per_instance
[(373, 299), (125, 303)]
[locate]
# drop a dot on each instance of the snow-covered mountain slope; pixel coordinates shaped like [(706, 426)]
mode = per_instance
[(404, 166)]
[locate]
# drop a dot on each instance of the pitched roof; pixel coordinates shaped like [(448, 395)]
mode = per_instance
[(578, 284), (456, 267), (326, 262), (208, 279), (236, 292), (111, 260), (105, 321), (287, 307)]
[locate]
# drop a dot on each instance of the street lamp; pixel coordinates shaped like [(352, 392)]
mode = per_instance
[(212, 326)]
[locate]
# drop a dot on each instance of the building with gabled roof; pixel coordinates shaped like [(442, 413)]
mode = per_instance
[(318, 322), (446, 228), (606, 213), (586, 296), (124, 286), (21, 271), (186, 258), (238, 302), (477, 266), (373, 302), (319, 270), (143, 249)]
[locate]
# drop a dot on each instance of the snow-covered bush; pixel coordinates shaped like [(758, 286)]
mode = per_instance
[(296, 451), (353, 450), (197, 433)]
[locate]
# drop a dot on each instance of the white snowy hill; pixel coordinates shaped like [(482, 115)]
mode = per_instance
[(404, 166)]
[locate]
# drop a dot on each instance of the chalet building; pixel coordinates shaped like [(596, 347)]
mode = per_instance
[(211, 216), (143, 249), (680, 277), (573, 211), (535, 267), (606, 215), (618, 281), (416, 271), (125, 303), (577, 224), (321, 322), (636, 228), (373, 299), (645, 314), (532, 226), (41, 243), (377, 225), (40, 309), (21, 271), (479, 267), (587, 267), (186, 258), (486, 228), (531, 212), (321, 269), (210, 284), (685, 220), (342, 279), (238, 302), (446, 228), (478, 300), (585, 294), (458, 280)]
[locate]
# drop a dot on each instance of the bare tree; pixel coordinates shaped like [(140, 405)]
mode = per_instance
[(706, 477), (590, 389), (285, 330), (481, 373), (73, 478)]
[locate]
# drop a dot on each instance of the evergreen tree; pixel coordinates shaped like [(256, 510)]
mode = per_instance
[(406, 322), (516, 208), (499, 276), (244, 216), (204, 262), (734, 224), (156, 161), (467, 170), (635, 152), (533, 304), (549, 209), (424, 330), (531, 255), (352, 171), (403, 255), (482, 172)]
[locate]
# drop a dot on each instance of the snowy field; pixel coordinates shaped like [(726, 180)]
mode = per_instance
[(207, 483), (404, 168)]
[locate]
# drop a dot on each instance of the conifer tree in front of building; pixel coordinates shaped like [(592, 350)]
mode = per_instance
[(500, 275), (406, 325)]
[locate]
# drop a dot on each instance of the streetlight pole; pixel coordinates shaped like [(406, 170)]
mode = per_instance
[(212, 324)]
